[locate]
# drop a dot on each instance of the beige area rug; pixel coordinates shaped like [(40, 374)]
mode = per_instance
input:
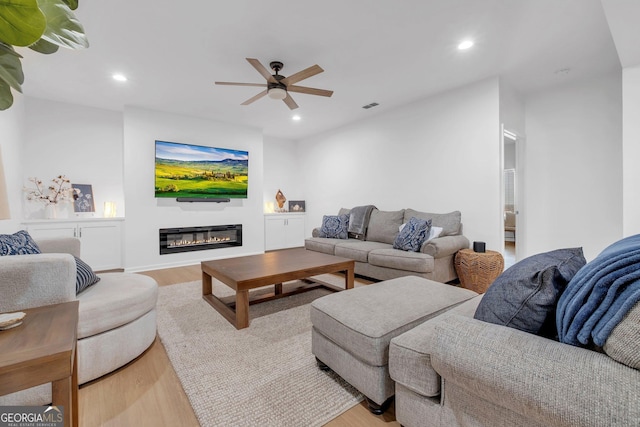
[(264, 375)]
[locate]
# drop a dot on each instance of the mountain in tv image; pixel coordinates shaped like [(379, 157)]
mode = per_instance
[(200, 172)]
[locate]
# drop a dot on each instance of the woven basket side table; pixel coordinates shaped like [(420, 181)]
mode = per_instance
[(478, 270)]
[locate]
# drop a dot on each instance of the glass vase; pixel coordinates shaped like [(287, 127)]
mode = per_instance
[(50, 211)]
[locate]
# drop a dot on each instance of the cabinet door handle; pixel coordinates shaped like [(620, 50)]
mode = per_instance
[(80, 233), (75, 233)]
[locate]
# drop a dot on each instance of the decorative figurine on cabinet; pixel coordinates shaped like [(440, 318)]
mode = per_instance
[(280, 199)]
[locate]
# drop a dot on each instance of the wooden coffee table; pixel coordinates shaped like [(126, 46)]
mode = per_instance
[(272, 268)]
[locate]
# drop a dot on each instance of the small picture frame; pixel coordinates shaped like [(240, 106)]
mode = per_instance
[(83, 198), (296, 206)]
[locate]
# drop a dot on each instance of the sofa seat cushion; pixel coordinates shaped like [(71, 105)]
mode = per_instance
[(358, 250), (117, 299), (322, 244), (410, 353), (363, 320), (402, 260)]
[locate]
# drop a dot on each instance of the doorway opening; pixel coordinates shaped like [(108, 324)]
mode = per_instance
[(509, 185)]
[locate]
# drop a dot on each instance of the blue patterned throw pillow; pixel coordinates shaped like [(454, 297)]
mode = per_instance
[(85, 276), (412, 235), (20, 243), (335, 226)]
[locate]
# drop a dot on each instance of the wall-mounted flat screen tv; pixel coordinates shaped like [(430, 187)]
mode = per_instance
[(195, 171)]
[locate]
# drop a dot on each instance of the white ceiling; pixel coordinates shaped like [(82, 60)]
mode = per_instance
[(390, 52)]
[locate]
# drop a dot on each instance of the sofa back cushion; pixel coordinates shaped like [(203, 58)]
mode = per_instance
[(384, 226), (450, 222), (623, 345)]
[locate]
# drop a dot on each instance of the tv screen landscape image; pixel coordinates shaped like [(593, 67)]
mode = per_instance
[(195, 171)]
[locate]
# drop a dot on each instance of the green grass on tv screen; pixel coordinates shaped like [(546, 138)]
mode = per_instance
[(176, 178)]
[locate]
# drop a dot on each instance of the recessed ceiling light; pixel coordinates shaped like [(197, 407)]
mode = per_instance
[(296, 118), (119, 77), (465, 45)]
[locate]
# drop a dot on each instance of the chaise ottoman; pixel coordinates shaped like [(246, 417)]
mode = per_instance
[(352, 329)]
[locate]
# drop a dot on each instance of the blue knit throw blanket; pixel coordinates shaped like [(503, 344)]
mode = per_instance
[(600, 294)]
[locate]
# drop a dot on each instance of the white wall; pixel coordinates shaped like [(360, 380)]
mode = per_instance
[(437, 155), (146, 214), (282, 170), (573, 176), (631, 150), (11, 141), (512, 114), (83, 143)]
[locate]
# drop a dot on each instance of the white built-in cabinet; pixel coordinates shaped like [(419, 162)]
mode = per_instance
[(101, 238), (284, 230)]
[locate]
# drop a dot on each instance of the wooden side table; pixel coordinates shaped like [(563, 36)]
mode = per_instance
[(42, 350), (478, 270)]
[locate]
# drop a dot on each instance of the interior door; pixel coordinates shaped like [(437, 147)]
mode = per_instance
[(509, 191)]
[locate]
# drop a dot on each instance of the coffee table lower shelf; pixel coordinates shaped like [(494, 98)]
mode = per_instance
[(235, 273), (239, 309)]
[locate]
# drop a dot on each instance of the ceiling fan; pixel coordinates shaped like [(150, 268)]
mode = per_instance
[(279, 86)]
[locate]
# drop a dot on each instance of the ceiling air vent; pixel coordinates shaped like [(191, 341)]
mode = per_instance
[(373, 104)]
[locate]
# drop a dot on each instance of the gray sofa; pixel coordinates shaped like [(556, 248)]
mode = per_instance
[(375, 257), (117, 315), (454, 370)]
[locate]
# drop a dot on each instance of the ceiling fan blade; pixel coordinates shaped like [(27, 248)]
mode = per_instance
[(255, 98), (290, 102), (261, 69), (301, 75), (242, 84), (310, 90)]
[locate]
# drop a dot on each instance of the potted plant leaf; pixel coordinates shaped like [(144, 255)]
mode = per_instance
[(40, 25)]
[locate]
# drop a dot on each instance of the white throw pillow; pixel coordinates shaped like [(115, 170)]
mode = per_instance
[(433, 232)]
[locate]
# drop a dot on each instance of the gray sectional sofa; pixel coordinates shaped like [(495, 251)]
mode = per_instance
[(454, 370), (375, 256), (554, 342)]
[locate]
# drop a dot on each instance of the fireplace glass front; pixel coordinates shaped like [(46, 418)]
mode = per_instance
[(187, 239)]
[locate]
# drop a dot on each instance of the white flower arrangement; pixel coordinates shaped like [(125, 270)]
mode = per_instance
[(58, 191)]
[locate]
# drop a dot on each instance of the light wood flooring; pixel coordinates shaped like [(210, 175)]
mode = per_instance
[(509, 254), (147, 391)]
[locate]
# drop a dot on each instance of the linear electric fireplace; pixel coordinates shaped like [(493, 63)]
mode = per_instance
[(187, 239)]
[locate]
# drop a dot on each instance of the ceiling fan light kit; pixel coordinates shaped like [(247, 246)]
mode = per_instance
[(279, 86), (277, 93)]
